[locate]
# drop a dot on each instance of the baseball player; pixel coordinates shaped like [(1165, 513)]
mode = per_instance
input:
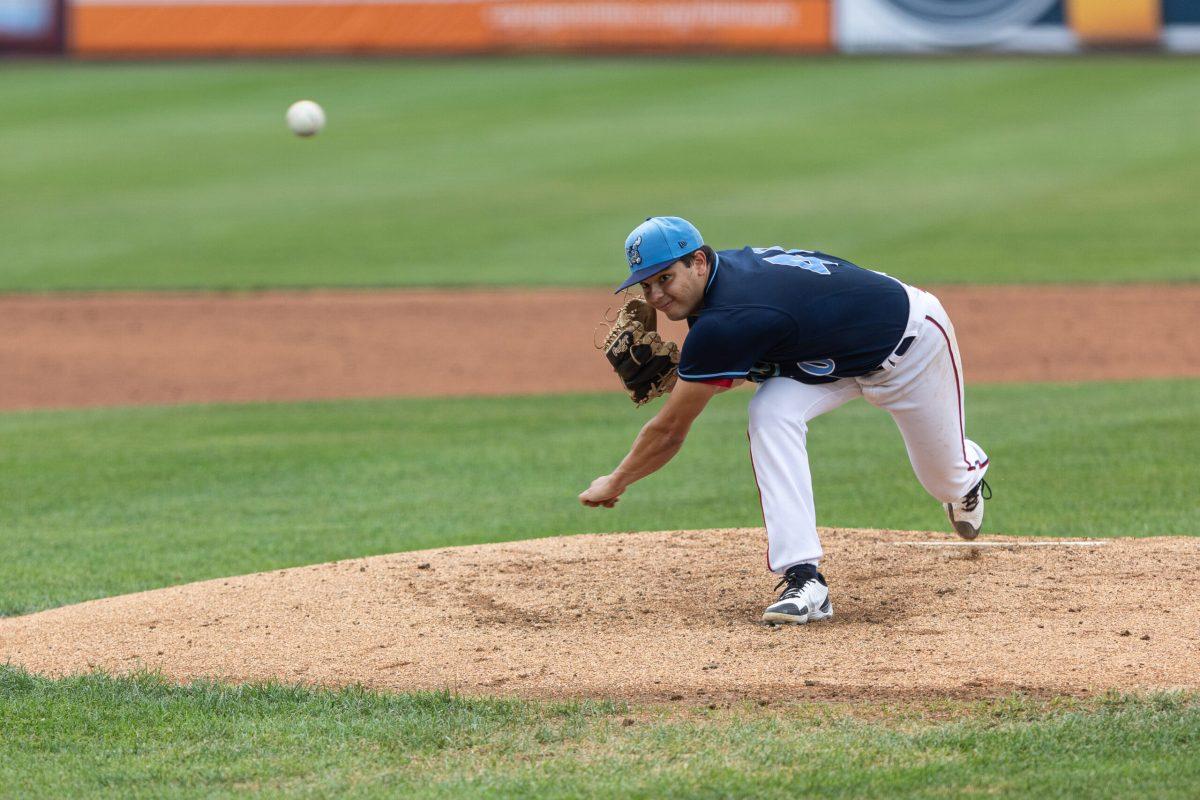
[(814, 332)]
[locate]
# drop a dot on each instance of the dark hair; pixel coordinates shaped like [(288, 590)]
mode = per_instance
[(708, 254)]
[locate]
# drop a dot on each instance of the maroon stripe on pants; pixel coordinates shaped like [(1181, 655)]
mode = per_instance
[(962, 429)]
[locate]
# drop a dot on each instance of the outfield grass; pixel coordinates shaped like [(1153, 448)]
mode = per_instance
[(140, 737), (531, 171), (104, 502)]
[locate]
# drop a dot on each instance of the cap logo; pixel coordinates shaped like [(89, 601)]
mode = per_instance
[(683, 244), (632, 253)]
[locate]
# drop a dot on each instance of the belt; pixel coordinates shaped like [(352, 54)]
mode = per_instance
[(900, 350)]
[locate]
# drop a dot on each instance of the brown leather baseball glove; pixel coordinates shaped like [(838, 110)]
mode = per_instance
[(643, 360)]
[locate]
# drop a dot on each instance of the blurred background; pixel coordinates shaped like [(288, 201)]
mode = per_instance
[(138, 156), (256, 27)]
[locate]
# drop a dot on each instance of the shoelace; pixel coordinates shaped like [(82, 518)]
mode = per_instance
[(795, 586), (972, 498)]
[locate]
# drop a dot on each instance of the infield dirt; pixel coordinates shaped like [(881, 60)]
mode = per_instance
[(127, 349), (664, 616)]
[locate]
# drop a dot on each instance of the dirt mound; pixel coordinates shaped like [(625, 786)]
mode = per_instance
[(123, 349), (665, 616)]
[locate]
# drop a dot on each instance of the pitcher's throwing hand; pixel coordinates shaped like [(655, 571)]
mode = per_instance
[(603, 492)]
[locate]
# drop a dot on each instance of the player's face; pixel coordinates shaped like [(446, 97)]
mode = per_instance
[(677, 291)]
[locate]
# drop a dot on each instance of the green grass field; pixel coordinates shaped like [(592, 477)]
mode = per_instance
[(138, 737), (111, 501), (532, 171)]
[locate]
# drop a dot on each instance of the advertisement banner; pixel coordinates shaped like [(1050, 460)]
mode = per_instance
[(1181, 25), (187, 27), (948, 25), (1105, 23), (31, 25)]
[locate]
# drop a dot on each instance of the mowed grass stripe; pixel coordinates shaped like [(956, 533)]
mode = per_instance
[(105, 502), (141, 737), (529, 171)]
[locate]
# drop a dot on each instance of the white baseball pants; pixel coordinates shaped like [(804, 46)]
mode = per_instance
[(922, 390)]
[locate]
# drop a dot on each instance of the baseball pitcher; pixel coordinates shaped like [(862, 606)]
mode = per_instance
[(814, 332)]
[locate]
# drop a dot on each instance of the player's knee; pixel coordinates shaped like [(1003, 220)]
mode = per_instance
[(944, 490), (943, 493)]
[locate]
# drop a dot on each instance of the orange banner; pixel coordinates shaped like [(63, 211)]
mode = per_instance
[(1107, 22), (145, 27)]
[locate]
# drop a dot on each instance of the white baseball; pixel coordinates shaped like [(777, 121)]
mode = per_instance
[(305, 118)]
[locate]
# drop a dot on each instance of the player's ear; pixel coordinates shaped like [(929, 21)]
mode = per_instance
[(700, 263)]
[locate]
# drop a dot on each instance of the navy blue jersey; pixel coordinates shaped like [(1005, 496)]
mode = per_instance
[(800, 314)]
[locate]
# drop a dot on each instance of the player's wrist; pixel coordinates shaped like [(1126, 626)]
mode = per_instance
[(619, 482)]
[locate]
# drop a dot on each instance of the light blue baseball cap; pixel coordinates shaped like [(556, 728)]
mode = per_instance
[(657, 244)]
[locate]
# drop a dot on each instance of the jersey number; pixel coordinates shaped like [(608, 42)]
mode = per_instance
[(803, 259)]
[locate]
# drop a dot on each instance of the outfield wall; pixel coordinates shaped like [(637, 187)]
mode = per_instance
[(103, 27), (118, 28)]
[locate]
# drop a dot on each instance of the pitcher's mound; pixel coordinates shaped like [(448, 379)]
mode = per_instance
[(665, 616)]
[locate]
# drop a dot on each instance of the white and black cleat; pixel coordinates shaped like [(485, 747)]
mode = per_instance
[(805, 598), (967, 514)]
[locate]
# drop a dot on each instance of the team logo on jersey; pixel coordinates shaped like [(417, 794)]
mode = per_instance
[(819, 367), (632, 253)]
